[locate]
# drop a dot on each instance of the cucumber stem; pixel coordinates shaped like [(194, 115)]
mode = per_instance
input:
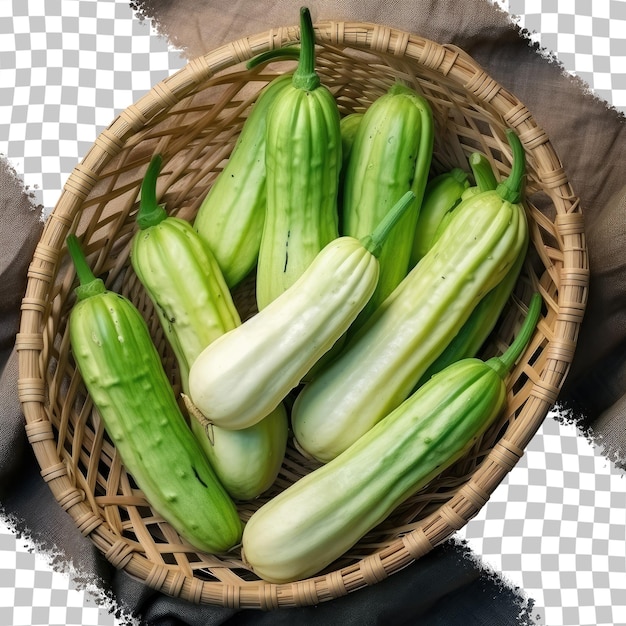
[(277, 54), (503, 363), (374, 242), (510, 189), (89, 285), (456, 173), (150, 212), (305, 77), (484, 177), (459, 175)]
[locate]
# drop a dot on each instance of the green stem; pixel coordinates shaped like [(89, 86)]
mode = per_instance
[(502, 364), (89, 285), (150, 211), (305, 77), (484, 177), (278, 54), (374, 242), (510, 189), (459, 175)]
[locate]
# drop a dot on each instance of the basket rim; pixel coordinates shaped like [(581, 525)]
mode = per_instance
[(448, 60)]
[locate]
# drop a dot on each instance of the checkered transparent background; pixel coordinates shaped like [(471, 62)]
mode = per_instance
[(556, 527), (588, 39), (68, 67), (32, 592)]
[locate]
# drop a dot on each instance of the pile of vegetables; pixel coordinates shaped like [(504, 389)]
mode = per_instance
[(376, 285)]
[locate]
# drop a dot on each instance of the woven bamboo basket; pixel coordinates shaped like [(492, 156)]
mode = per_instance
[(193, 118)]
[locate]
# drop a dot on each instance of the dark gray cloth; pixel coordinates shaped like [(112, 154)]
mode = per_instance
[(20, 228), (448, 586)]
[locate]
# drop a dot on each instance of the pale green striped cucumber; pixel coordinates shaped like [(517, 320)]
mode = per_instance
[(348, 126), (231, 216), (391, 154), (483, 319), (320, 517), (442, 194), (384, 360), (181, 276), (484, 180), (303, 162), (243, 375), (468, 341), (195, 307), (124, 376)]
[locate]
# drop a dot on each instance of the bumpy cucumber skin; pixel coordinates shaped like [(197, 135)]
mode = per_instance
[(184, 281), (231, 216), (385, 359), (245, 374), (125, 378), (318, 518), (391, 154), (195, 307), (303, 161)]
